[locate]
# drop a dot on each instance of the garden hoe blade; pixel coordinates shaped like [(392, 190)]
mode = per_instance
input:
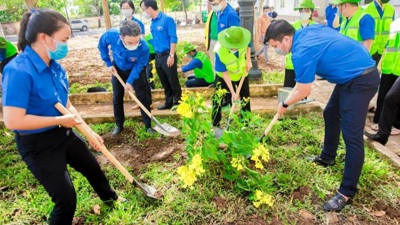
[(164, 129), (276, 117), (85, 130)]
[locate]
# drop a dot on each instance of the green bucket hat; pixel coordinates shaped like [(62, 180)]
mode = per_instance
[(306, 4), (234, 37), (188, 47), (3, 43), (337, 2)]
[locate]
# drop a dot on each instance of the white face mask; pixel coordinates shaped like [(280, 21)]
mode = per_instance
[(130, 47), (127, 12), (266, 13), (216, 8), (146, 16), (305, 15)]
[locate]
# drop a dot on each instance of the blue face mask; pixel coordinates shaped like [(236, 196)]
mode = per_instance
[(60, 52)]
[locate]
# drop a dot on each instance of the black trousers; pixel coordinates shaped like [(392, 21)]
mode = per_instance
[(217, 103), (345, 114), (47, 155), (289, 78), (376, 57), (142, 91), (169, 78), (387, 81), (390, 110)]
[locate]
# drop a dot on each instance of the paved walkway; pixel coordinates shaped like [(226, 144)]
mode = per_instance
[(321, 92)]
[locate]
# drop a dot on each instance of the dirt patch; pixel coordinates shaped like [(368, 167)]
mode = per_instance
[(137, 154)]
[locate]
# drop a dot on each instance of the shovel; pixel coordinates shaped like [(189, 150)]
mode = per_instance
[(219, 131), (270, 125), (147, 189), (164, 128)]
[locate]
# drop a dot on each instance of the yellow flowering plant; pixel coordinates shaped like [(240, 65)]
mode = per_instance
[(243, 162)]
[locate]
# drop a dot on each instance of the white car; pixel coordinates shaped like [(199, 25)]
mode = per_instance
[(79, 24)]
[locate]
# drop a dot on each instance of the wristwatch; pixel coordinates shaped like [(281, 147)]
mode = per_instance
[(284, 105), (172, 56)]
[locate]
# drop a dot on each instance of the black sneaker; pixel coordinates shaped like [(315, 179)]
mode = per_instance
[(320, 161), (151, 131), (117, 130), (336, 203)]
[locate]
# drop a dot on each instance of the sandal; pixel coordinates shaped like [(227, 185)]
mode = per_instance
[(336, 203)]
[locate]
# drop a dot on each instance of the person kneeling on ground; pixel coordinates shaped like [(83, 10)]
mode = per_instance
[(201, 65), (131, 55)]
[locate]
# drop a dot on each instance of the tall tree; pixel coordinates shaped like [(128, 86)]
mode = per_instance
[(106, 14), (31, 3)]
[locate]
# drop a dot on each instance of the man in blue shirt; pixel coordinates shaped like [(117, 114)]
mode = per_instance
[(318, 49), (131, 55), (330, 13), (163, 29)]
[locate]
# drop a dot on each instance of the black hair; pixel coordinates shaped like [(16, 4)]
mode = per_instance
[(130, 3), (151, 3), (278, 29), (265, 7), (129, 28), (46, 21)]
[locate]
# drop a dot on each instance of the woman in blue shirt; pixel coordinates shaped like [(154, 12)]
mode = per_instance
[(32, 83), (128, 9)]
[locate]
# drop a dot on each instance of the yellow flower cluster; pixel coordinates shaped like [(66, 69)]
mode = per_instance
[(188, 173), (185, 110), (238, 163), (220, 92), (260, 152), (262, 198)]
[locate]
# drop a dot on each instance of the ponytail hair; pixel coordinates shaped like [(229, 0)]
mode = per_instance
[(45, 21)]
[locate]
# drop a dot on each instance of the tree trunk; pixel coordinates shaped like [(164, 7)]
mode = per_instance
[(106, 14), (162, 6), (31, 4), (184, 10)]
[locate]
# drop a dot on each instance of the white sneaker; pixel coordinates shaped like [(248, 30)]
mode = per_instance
[(395, 131), (375, 127)]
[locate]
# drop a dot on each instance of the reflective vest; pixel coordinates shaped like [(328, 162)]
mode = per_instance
[(207, 30), (206, 72), (149, 38), (297, 26), (382, 26), (235, 66), (352, 30), (391, 57)]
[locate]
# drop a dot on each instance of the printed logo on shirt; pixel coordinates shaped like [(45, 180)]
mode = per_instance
[(159, 28), (133, 59), (222, 25)]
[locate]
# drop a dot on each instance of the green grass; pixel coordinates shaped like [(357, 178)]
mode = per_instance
[(26, 202)]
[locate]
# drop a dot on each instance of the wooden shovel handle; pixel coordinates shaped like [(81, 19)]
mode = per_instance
[(90, 136), (276, 117)]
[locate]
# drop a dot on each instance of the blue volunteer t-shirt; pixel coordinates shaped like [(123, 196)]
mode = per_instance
[(30, 84), (163, 29), (318, 49), (125, 59), (367, 27), (227, 18)]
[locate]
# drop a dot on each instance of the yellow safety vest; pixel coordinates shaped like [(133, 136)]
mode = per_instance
[(382, 26), (297, 26), (352, 30), (391, 57), (235, 66)]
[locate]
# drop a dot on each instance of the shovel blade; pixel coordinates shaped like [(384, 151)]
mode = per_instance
[(218, 132), (148, 190), (167, 130)]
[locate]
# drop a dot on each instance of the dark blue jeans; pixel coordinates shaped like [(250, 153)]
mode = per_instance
[(47, 155), (346, 112), (142, 91), (192, 81)]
